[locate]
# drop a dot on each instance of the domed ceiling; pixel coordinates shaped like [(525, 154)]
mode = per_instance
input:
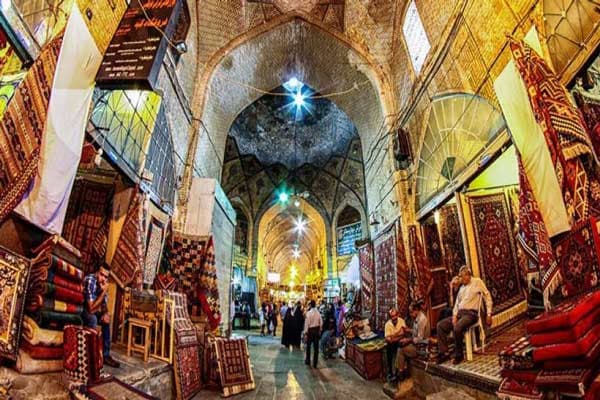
[(276, 131)]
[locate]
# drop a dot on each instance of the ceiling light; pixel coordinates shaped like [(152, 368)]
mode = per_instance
[(300, 225), (299, 99), (283, 197), (296, 203), (293, 84), (296, 254)]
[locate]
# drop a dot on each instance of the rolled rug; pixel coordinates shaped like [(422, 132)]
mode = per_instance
[(42, 352), (63, 294), (67, 270), (27, 365), (61, 306), (37, 336), (67, 283), (56, 320)]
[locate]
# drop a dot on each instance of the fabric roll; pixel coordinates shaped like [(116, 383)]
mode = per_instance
[(42, 352), (589, 360), (572, 381), (58, 293), (568, 350), (56, 320), (64, 282), (61, 306), (37, 336), (67, 270), (565, 315), (27, 365), (517, 355)]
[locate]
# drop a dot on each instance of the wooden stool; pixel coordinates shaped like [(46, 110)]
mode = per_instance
[(131, 344)]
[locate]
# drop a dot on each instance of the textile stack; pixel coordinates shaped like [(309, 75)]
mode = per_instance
[(560, 354), (54, 299)]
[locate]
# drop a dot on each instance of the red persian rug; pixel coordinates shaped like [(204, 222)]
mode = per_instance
[(590, 108), (367, 276), (567, 335), (568, 350), (82, 360), (127, 263), (402, 273), (565, 315), (87, 211), (441, 288), (423, 280), (572, 381), (208, 289), (451, 237), (511, 389), (496, 249), (433, 247), (385, 275), (578, 257), (233, 361), (22, 127)]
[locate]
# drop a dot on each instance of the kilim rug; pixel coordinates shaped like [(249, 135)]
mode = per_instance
[(208, 289), (154, 248), (568, 142), (233, 362), (589, 105), (188, 379), (423, 280), (22, 127), (402, 273), (185, 254), (385, 275), (367, 276), (82, 354), (451, 237), (165, 282), (14, 274), (127, 262), (578, 258), (114, 389), (433, 247), (496, 249), (87, 212)]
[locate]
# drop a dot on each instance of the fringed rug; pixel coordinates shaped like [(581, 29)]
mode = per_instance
[(22, 127), (496, 250), (208, 289), (385, 275), (589, 105), (422, 278), (433, 247), (233, 361), (451, 237), (578, 258), (114, 389), (82, 354), (87, 212), (127, 263), (14, 274), (367, 276), (154, 248)]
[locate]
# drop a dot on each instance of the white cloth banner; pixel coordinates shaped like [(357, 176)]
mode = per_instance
[(74, 80), (529, 139)]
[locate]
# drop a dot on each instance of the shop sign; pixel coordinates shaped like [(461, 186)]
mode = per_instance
[(346, 238), (135, 54)]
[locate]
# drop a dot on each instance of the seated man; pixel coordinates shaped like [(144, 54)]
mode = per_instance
[(394, 331), (408, 346), (95, 294), (464, 314)]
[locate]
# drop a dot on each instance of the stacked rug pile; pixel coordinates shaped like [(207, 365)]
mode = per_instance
[(560, 354), (54, 299)]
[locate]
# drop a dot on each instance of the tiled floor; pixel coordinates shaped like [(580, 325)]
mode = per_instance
[(281, 374)]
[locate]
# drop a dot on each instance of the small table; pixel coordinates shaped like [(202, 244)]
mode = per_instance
[(132, 346)]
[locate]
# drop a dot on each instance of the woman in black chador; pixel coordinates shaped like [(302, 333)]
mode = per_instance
[(287, 333), (298, 325)]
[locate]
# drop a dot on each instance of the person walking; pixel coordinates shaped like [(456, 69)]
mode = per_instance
[(312, 332), (328, 330), (274, 316), (262, 315), (298, 325), (287, 333), (419, 332), (464, 314)]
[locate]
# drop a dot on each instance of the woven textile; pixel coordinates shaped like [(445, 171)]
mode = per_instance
[(533, 237), (233, 362), (188, 379), (568, 350), (590, 109), (185, 255), (511, 389), (433, 247), (367, 276), (385, 274), (37, 336), (87, 212), (451, 237), (165, 282), (589, 360), (22, 127), (572, 381), (14, 273), (496, 250), (127, 263), (112, 389), (578, 257), (564, 131), (402, 273), (156, 240), (27, 365), (49, 304), (56, 320), (42, 352), (83, 354), (53, 291), (208, 289), (565, 315), (423, 279), (567, 335), (518, 355), (440, 289)]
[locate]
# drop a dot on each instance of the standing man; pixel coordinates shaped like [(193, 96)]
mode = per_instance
[(275, 314), (464, 314), (95, 294), (420, 332), (394, 331), (312, 330)]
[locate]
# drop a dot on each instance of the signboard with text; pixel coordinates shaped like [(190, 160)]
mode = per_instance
[(135, 54), (346, 237)]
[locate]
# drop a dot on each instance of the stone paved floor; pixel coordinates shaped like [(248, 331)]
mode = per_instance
[(281, 374)]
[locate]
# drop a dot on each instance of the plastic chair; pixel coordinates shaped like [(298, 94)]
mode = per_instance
[(470, 338)]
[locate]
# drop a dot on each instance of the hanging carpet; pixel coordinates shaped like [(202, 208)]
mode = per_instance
[(185, 254), (127, 263), (385, 275), (208, 289), (83, 359), (433, 247), (233, 360), (367, 276), (589, 105), (422, 284), (154, 248), (451, 237)]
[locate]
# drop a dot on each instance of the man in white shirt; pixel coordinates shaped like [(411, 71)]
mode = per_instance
[(312, 331), (464, 314), (394, 331)]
